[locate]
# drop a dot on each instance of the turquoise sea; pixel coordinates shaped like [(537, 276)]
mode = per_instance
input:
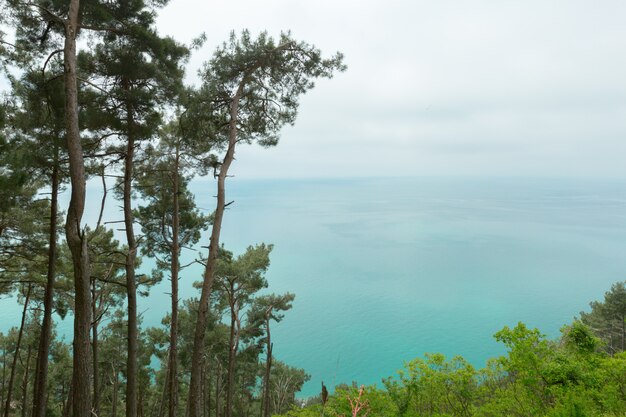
[(385, 270)]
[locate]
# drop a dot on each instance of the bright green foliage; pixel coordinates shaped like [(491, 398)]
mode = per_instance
[(612, 391), (580, 338), (608, 318), (537, 377), (373, 400), (434, 386)]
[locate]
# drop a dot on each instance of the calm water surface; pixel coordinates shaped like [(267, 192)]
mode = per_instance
[(385, 270)]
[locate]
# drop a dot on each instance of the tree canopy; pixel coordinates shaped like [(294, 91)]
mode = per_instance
[(96, 92)]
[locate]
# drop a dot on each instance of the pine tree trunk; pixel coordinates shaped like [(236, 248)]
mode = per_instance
[(114, 399), (25, 382), (40, 394), (623, 333), (94, 311), (203, 396), (62, 405), (140, 403), (69, 402), (207, 406), (4, 375), (74, 236), (131, 257), (197, 358), (232, 352), (94, 351), (268, 367), (173, 358), (161, 409), (217, 392), (7, 404)]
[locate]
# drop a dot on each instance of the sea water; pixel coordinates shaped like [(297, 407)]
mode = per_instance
[(385, 270)]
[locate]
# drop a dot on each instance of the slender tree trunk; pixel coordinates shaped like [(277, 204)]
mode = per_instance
[(232, 353), (623, 333), (94, 312), (268, 367), (75, 239), (41, 370), (69, 402), (197, 357), (4, 375), (208, 393), (173, 358), (131, 257), (203, 384), (25, 382), (94, 351), (62, 405), (217, 391), (140, 403), (166, 384), (7, 404), (244, 406), (114, 399)]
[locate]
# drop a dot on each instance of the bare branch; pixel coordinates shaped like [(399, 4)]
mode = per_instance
[(43, 70)]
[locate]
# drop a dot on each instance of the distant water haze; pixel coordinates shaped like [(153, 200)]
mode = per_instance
[(385, 270)]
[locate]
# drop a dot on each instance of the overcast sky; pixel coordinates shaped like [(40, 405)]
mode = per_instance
[(439, 87)]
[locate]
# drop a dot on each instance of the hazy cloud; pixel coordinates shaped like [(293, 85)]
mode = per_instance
[(440, 87)]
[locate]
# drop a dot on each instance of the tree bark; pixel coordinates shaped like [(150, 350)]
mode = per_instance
[(232, 354), (63, 397), (131, 257), (217, 391), (173, 358), (114, 400), (207, 393), (94, 351), (268, 367), (164, 394), (197, 358), (4, 375), (7, 404), (41, 370), (68, 406), (203, 389), (25, 382), (95, 310), (623, 333), (75, 239), (140, 403)]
